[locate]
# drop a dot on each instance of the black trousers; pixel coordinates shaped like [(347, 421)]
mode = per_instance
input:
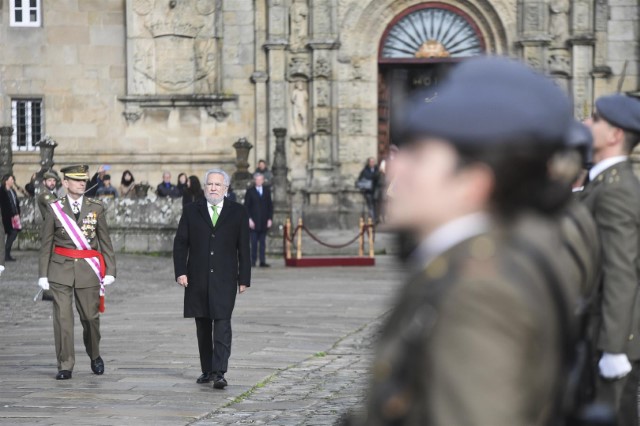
[(11, 238), (258, 237), (214, 344), (622, 396)]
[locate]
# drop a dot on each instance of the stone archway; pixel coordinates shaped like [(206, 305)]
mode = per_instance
[(418, 47)]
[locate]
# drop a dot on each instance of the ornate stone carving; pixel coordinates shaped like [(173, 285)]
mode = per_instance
[(299, 68), (142, 7), (601, 15), (559, 21), (132, 113), (323, 125), (559, 62), (177, 53), (582, 18), (533, 17), (217, 111), (299, 110), (322, 68), (299, 13), (322, 95), (6, 152)]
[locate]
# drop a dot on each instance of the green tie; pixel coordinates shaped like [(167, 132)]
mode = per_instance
[(214, 218)]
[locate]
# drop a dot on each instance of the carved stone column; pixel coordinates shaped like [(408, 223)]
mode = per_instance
[(533, 27), (276, 86), (323, 44), (280, 187), (6, 152), (241, 177), (47, 147)]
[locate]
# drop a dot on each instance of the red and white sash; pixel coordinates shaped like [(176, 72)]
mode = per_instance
[(78, 238)]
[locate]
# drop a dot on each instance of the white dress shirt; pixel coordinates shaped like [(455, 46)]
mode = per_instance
[(218, 208), (72, 202), (604, 165), (449, 235), (259, 189)]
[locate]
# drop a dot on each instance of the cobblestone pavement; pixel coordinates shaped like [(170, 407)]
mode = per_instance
[(318, 391), (151, 354)]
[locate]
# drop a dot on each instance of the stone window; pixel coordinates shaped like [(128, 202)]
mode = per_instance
[(26, 119), (25, 13), (432, 33)]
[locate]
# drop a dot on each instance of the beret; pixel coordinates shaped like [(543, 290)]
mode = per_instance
[(490, 101), (621, 111), (580, 137)]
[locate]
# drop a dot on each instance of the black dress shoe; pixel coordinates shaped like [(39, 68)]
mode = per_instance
[(265, 265), (204, 378), (97, 366), (220, 382), (10, 259), (63, 375)]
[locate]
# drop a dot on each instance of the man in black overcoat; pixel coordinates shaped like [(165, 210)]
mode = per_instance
[(258, 202), (211, 260)]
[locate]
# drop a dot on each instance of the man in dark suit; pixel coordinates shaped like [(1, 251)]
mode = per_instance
[(211, 260), (612, 194), (258, 202)]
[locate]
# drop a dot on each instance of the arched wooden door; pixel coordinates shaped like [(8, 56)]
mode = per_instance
[(416, 51)]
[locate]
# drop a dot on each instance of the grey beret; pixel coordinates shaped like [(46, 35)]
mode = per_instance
[(621, 111)]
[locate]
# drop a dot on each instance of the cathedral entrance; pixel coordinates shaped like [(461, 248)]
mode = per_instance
[(417, 50)]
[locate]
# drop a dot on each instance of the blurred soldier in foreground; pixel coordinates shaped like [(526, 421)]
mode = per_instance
[(477, 335), (612, 194)]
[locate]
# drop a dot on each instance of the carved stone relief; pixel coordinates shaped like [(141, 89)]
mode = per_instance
[(299, 111), (173, 47), (322, 68), (559, 21), (559, 62), (299, 67), (299, 14), (322, 94)]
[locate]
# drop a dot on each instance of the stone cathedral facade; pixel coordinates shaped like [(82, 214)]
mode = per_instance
[(149, 85)]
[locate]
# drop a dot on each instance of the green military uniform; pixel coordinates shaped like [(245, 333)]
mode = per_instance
[(580, 239), (46, 196), (613, 198), (478, 336), (70, 277), (474, 337)]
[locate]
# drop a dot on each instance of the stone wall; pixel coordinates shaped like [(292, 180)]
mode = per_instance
[(153, 85)]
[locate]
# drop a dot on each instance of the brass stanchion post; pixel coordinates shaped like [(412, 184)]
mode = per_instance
[(299, 230), (287, 236), (370, 231)]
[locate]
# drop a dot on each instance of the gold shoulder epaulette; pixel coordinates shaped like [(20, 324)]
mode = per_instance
[(94, 201), (611, 176)]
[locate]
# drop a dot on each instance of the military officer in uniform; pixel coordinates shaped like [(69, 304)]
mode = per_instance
[(76, 258), (612, 194), (47, 193), (476, 335)]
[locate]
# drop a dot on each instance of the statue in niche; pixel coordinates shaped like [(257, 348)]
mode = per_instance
[(559, 21), (299, 108), (299, 15)]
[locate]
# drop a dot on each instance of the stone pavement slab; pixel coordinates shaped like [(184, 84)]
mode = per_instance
[(151, 355)]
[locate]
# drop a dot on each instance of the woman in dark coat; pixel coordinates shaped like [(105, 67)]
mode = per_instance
[(193, 192), (10, 206)]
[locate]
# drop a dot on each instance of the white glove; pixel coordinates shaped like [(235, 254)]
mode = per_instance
[(1, 269), (108, 279), (43, 283), (614, 366)]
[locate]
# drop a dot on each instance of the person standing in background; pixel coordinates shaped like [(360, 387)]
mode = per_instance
[(127, 185), (368, 185), (166, 188), (193, 192), (10, 206), (183, 181), (258, 202), (107, 191), (96, 181), (48, 193), (264, 171)]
